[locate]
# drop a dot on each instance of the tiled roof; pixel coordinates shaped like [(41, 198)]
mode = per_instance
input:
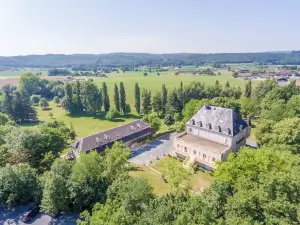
[(118, 133), (217, 119)]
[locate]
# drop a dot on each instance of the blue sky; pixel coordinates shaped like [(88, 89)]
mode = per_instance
[(156, 26)]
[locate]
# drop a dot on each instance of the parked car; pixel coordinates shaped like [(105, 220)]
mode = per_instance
[(32, 212)]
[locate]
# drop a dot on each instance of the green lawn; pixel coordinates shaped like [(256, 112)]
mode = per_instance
[(154, 82), (154, 179), (198, 180), (86, 125)]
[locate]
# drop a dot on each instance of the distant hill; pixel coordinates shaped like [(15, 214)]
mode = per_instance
[(137, 59)]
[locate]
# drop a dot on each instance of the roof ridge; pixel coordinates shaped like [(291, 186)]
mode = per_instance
[(112, 128)]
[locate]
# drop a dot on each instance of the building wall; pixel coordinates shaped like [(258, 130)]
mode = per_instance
[(212, 136), (201, 154)]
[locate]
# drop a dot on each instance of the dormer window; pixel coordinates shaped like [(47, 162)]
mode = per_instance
[(219, 128), (208, 126), (200, 124), (193, 122)]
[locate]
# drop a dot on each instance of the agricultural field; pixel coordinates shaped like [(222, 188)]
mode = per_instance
[(86, 125)]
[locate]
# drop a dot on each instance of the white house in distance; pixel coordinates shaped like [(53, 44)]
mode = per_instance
[(211, 134)]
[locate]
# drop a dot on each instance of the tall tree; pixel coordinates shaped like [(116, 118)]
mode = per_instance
[(19, 184), (248, 89), (30, 83), (67, 101), (8, 97), (56, 194), (169, 120), (78, 97), (137, 97), (157, 105), (117, 98), (106, 102), (146, 101), (122, 98), (164, 95), (92, 97), (21, 107)]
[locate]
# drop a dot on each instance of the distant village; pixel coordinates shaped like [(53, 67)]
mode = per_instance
[(280, 75)]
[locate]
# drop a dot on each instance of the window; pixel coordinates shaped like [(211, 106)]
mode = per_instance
[(190, 130), (185, 149), (193, 122), (213, 159), (195, 152), (204, 156)]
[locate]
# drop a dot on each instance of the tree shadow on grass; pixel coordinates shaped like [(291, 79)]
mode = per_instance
[(47, 109), (30, 124)]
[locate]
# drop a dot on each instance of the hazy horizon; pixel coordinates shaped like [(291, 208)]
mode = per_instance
[(35, 27)]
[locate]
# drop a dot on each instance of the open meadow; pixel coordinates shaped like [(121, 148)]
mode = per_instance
[(86, 125)]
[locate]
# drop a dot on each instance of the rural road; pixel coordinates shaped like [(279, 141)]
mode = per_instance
[(149, 152)]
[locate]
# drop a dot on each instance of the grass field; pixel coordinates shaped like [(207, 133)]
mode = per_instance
[(86, 125), (154, 82), (198, 180)]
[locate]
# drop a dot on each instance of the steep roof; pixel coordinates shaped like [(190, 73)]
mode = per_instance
[(96, 140), (217, 119)]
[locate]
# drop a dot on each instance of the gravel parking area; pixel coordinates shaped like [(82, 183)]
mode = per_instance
[(152, 150)]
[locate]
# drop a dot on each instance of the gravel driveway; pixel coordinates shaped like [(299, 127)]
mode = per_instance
[(149, 152)]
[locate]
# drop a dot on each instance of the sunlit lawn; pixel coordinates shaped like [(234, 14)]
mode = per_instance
[(198, 180), (154, 179)]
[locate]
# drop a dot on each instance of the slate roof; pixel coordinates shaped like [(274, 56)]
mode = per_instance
[(217, 119), (133, 130)]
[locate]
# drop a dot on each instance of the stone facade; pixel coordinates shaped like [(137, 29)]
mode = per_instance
[(211, 134)]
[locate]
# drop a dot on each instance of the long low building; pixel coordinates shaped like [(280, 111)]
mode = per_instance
[(127, 134)]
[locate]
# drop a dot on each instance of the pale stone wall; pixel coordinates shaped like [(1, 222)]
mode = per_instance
[(219, 138), (201, 154)]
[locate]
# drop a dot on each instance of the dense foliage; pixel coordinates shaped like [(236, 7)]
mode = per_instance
[(127, 60)]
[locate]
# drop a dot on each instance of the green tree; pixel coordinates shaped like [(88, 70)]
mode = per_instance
[(21, 108), (30, 83), (79, 106), (56, 194), (7, 104), (117, 98), (248, 89), (169, 120), (154, 122), (56, 100), (92, 97), (146, 101), (19, 185), (285, 133), (105, 96), (67, 101), (122, 98), (137, 97), (176, 174), (263, 88), (112, 114), (260, 187), (157, 105), (164, 95), (43, 103), (35, 99)]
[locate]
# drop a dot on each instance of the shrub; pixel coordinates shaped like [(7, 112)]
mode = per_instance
[(112, 114)]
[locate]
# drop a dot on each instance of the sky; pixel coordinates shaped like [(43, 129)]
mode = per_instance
[(153, 26)]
